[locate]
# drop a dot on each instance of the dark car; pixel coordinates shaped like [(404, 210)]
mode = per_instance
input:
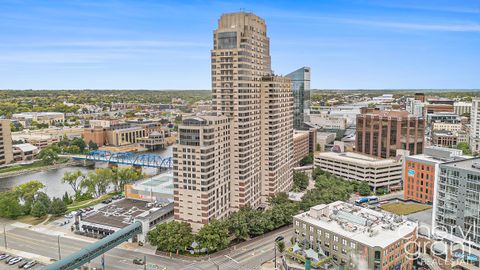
[(21, 265), (279, 238), (138, 261)]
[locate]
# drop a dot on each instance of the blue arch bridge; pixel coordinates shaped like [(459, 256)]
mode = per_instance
[(128, 158)]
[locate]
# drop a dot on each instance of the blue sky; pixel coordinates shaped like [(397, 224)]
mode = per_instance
[(354, 44)]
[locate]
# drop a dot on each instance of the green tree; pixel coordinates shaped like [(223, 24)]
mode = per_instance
[(279, 198), (73, 179), (98, 181), (67, 199), (364, 189), (39, 209), (308, 159), (92, 145), (43, 198), (281, 246), (26, 193), (58, 207), (213, 236), (172, 236), (381, 191), (238, 224), (300, 181), (125, 176), (9, 205), (79, 143), (48, 156), (465, 147)]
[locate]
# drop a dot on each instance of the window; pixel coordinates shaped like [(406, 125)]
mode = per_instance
[(227, 40), (352, 245)]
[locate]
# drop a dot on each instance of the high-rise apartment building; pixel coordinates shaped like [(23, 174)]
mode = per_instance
[(257, 109), (276, 136), (301, 95), (475, 125), (244, 90), (6, 152), (201, 170), (382, 133), (456, 208)]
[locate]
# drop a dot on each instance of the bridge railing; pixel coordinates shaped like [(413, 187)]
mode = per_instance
[(96, 249)]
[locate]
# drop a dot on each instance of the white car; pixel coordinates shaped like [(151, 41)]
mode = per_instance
[(68, 216), (15, 260)]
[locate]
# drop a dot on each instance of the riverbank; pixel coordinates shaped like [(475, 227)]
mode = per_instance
[(36, 167)]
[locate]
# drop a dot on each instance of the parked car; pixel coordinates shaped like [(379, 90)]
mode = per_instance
[(68, 216), (22, 265), (15, 260), (4, 256), (30, 265), (138, 261)]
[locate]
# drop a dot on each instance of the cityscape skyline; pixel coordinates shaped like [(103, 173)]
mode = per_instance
[(129, 45)]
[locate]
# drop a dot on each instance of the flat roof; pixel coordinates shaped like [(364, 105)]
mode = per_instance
[(366, 226), (119, 214), (466, 164), (161, 183), (356, 158), (25, 147)]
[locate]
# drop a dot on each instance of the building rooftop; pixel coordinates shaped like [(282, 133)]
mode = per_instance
[(31, 114), (25, 147), (471, 164), (357, 158), (121, 213), (161, 184), (368, 227)]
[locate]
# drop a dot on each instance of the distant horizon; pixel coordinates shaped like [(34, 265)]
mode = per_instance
[(315, 89), (126, 44)]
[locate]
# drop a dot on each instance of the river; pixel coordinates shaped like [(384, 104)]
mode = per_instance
[(52, 179)]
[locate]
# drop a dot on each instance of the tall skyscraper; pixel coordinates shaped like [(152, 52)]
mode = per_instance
[(201, 170), (276, 136), (6, 152), (258, 106), (240, 63), (382, 133), (475, 125), (301, 95)]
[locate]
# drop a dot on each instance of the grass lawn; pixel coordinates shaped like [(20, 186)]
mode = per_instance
[(87, 203), (34, 165), (31, 220), (405, 208)]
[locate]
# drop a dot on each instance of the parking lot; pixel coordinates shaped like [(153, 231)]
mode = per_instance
[(17, 262)]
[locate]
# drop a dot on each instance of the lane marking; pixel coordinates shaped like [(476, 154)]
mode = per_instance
[(232, 259)]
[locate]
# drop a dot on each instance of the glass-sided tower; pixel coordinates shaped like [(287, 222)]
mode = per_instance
[(301, 95)]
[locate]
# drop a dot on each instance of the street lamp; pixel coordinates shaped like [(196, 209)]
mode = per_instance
[(4, 236), (278, 239), (58, 244)]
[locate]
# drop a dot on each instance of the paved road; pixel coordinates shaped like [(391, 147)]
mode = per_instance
[(249, 256)]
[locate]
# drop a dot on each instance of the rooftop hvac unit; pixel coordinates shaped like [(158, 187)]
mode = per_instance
[(476, 165)]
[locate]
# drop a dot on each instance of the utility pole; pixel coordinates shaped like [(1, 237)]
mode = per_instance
[(275, 252), (58, 244), (144, 262), (5, 236)]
